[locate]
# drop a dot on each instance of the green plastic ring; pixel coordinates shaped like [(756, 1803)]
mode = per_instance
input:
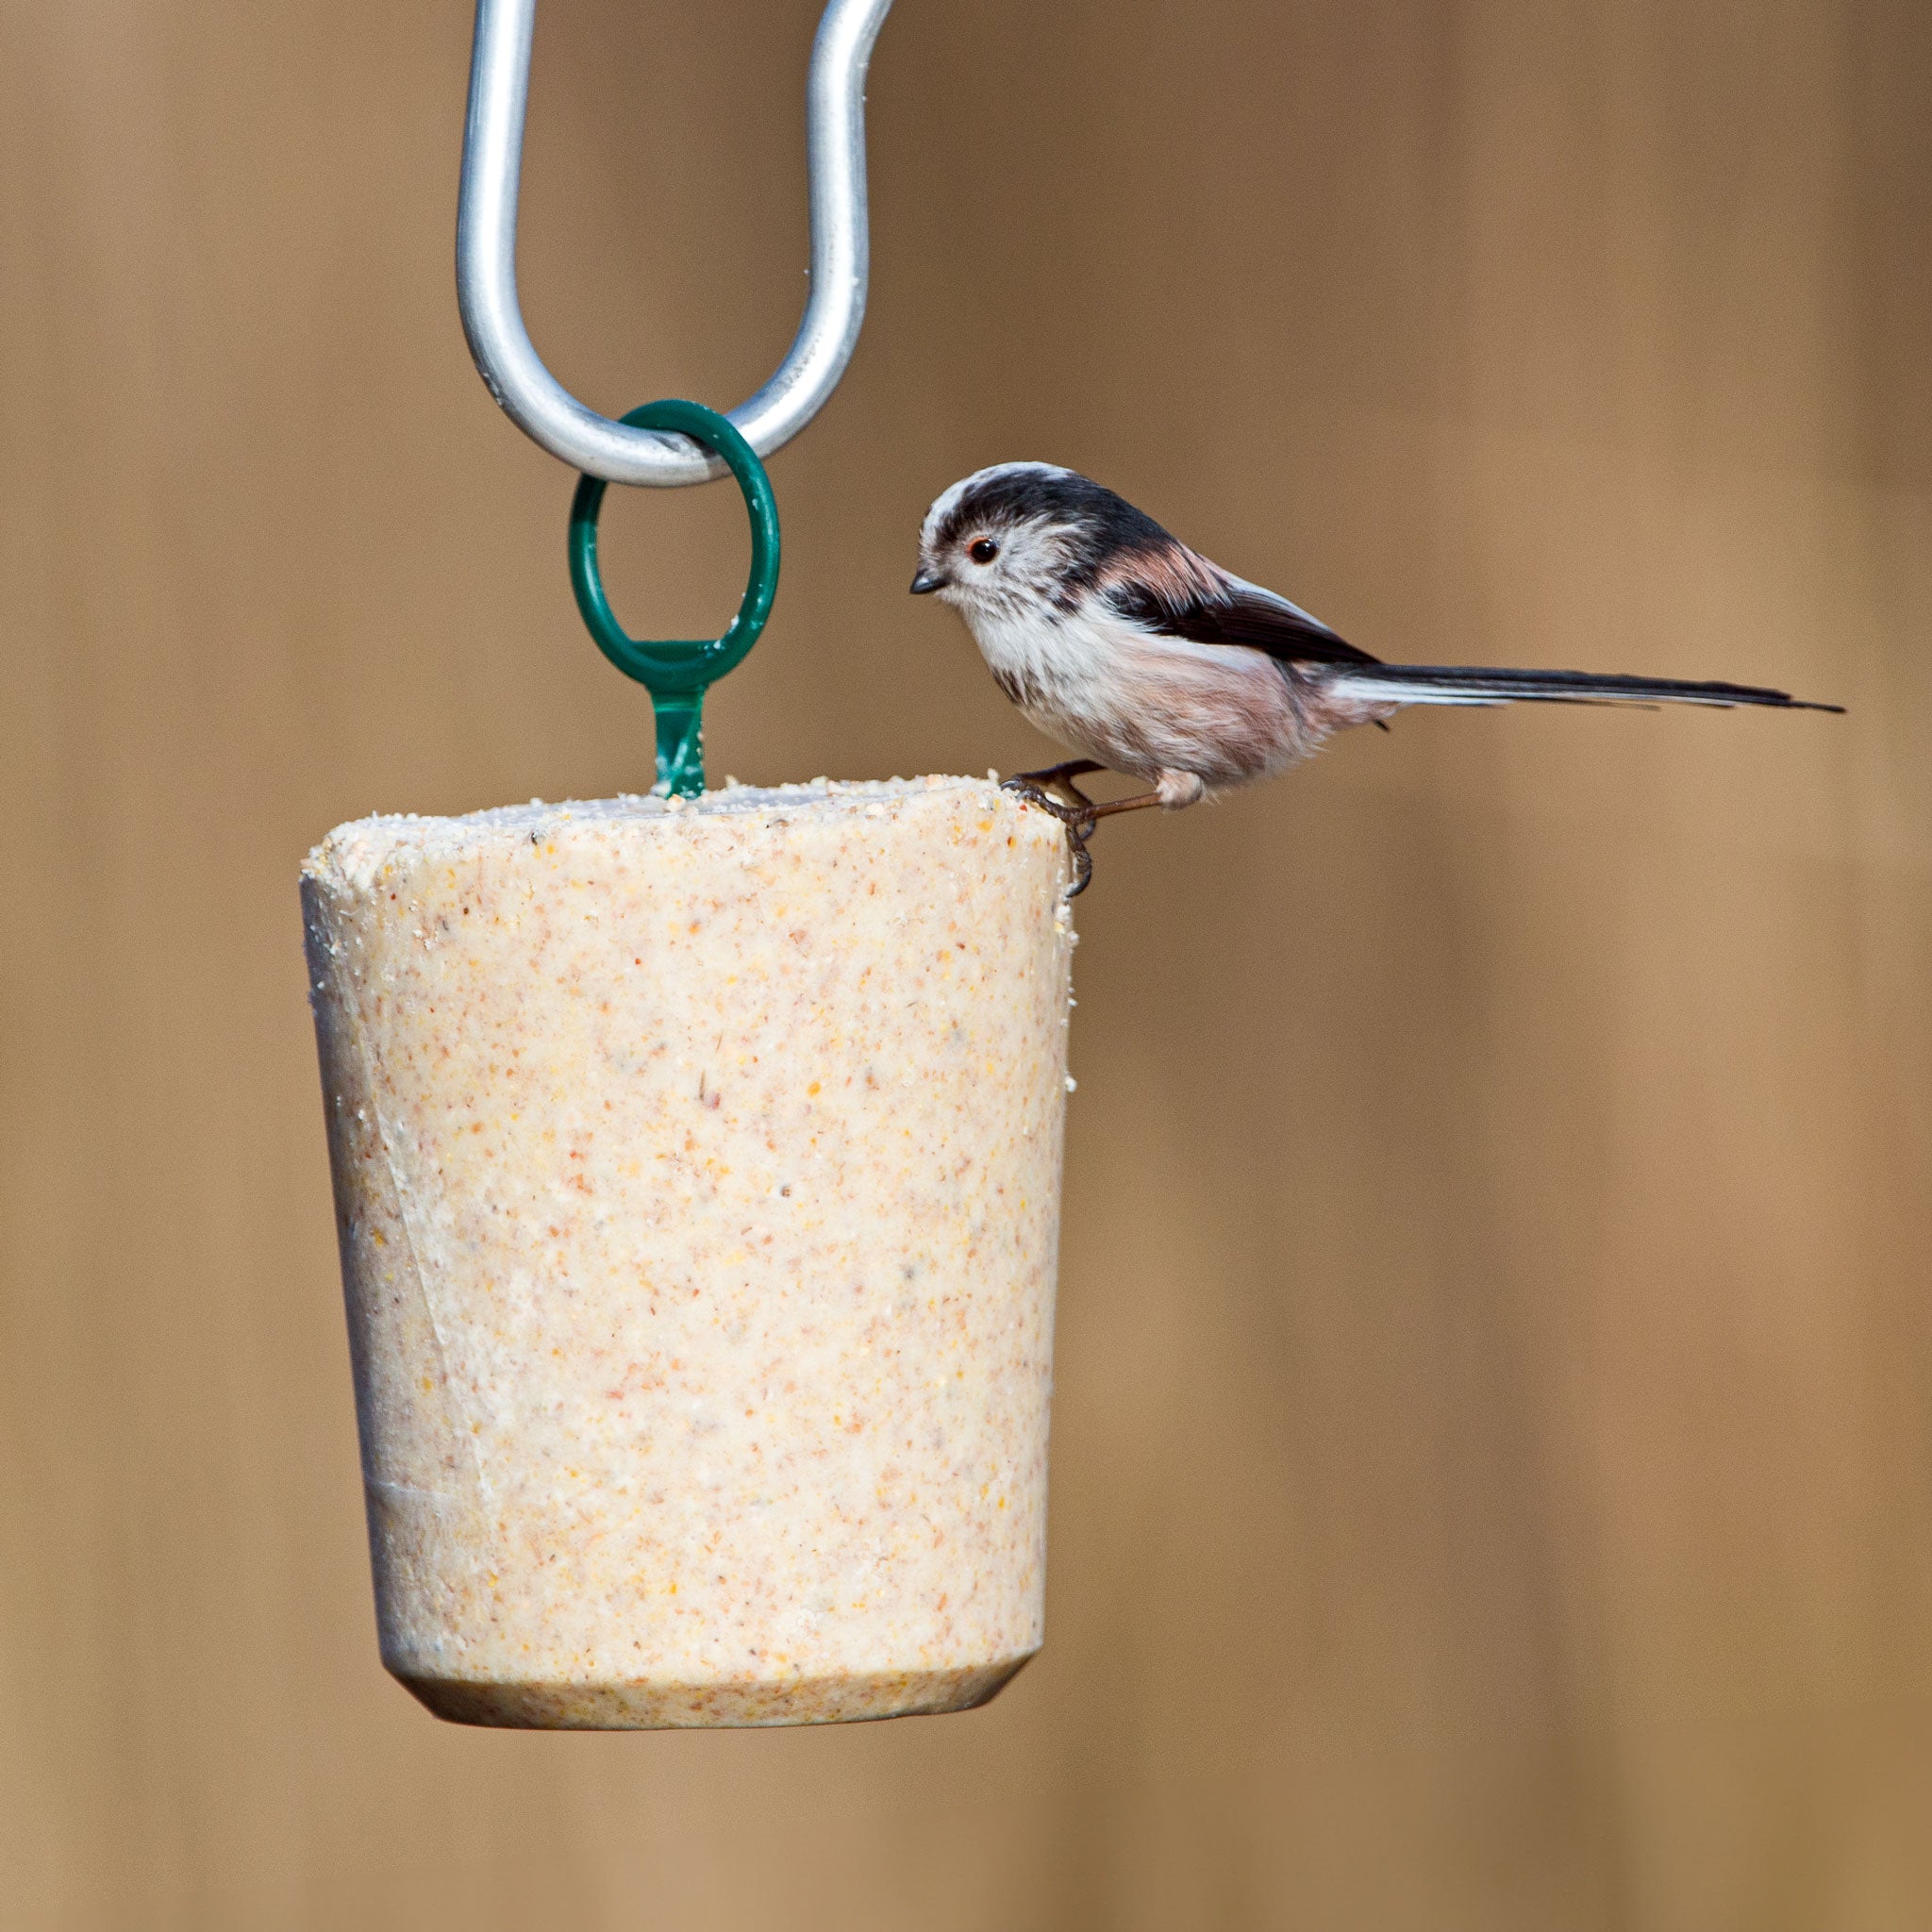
[(677, 671)]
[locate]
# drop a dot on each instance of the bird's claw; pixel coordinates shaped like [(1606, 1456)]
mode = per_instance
[(1078, 819), (1034, 794)]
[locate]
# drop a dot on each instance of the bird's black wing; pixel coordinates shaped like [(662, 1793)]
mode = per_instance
[(1235, 612)]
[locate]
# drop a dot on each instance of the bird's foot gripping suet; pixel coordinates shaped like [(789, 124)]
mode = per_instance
[(1079, 819), (1061, 775), (1172, 790)]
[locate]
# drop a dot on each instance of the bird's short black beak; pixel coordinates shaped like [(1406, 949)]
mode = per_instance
[(929, 581)]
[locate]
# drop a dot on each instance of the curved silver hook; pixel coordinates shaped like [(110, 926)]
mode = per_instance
[(535, 401)]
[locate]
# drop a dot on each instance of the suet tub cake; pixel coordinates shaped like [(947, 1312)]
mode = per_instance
[(697, 1178)]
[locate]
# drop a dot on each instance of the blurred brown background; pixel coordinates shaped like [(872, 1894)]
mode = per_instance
[(1494, 1450)]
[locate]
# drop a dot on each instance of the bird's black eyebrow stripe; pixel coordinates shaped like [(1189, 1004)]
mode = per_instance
[(1098, 524)]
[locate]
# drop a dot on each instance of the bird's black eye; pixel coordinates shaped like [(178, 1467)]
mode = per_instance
[(983, 550)]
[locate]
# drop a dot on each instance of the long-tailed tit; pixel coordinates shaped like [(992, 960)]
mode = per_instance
[(1138, 653)]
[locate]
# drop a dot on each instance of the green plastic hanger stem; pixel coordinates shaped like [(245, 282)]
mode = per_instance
[(678, 671)]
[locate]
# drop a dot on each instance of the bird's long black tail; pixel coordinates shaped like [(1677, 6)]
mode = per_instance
[(1450, 684)]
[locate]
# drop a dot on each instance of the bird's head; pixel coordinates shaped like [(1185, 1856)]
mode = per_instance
[(1021, 538)]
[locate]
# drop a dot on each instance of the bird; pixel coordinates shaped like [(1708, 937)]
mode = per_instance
[(1146, 658)]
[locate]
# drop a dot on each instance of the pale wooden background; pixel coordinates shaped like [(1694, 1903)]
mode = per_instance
[(1493, 1460)]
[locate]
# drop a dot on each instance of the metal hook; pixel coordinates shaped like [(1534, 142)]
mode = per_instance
[(535, 401)]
